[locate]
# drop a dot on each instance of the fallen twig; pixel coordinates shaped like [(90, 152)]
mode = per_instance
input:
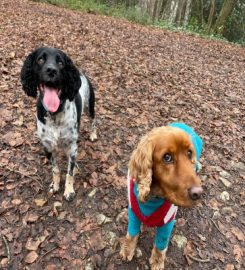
[(25, 175), (216, 226), (30, 178), (199, 212), (7, 247), (197, 259), (2, 211), (47, 252)]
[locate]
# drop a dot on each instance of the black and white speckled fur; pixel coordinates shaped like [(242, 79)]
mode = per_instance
[(60, 130)]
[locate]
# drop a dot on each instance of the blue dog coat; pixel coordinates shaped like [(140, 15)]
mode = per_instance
[(143, 212)]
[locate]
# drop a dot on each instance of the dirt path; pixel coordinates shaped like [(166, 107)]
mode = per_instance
[(144, 78)]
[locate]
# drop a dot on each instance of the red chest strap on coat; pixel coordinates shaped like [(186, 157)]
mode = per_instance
[(154, 219)]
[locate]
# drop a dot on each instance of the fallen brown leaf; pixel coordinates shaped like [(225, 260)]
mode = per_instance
[(96, 242), (4, 262), (33, 244), (40, 202), (19, 122), (32, 217), (219, 256), (229, 267), (5, 115), (51, 267), (189, 250), (238, 233), (13, 139), (16, 201), (31, 257), (180, 222), (238, 252)]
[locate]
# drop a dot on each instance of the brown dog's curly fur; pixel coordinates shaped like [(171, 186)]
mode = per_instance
[(156, 177), (129, 246), (157, 259)]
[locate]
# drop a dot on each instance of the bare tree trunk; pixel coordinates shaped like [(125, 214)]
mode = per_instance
[(180, 8), (187, 12), (170, 11), (131, 3), (152, 7), (199, 10), (173, 11), (143, 4), (177, 11), (211, 16), (158, 9), (226, 10), (202, 17)]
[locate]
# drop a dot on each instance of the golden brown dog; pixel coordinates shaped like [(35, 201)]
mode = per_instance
[(163, 165)]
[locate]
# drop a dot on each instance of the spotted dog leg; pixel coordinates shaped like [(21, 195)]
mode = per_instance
[(55, 184), (157, 258), (69, 193), (93, 133)]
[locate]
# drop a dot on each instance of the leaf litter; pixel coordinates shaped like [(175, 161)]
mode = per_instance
[(144, 77)]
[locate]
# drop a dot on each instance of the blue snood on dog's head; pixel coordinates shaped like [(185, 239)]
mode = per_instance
[(196, 140)]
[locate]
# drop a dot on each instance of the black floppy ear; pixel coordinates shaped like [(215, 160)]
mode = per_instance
[(72, 78), (28, 76)]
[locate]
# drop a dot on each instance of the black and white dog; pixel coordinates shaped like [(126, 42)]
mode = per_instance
[(63, 95)]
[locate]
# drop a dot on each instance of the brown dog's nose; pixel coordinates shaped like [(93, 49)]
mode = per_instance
[(195, 193)]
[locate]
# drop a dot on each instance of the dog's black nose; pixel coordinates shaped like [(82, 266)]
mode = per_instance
[(51, 71), (195, 192)]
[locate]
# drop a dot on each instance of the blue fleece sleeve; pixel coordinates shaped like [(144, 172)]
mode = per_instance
[(133, 223), (163, 235)]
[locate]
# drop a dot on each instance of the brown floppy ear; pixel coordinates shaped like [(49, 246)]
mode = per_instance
[(140, 167)]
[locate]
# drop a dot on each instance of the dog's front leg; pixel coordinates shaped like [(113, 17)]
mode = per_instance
[(55, 185), (157, 258), (130, 241), (158, 254), (93, 132), (128, 247), (69, 193)]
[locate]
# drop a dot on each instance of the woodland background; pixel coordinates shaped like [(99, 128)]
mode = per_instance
[(220, 18)]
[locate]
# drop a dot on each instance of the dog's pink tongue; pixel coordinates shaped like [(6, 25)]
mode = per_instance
[(51, 99)]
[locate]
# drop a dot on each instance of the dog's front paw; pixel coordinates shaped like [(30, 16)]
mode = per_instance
[(157, 259), (157, 266), (128, 247), (53, 188), (69, 193), (55, 185), (126, 253), (69, 196)]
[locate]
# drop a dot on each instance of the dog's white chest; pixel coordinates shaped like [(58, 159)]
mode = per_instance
[(59, 129)]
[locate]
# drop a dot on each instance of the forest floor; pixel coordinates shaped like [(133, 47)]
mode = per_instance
[(144, 77)]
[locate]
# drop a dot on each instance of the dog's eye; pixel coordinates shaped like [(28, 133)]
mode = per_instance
[(60, 64), (40, 61), (189, 153), (167, 158)]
